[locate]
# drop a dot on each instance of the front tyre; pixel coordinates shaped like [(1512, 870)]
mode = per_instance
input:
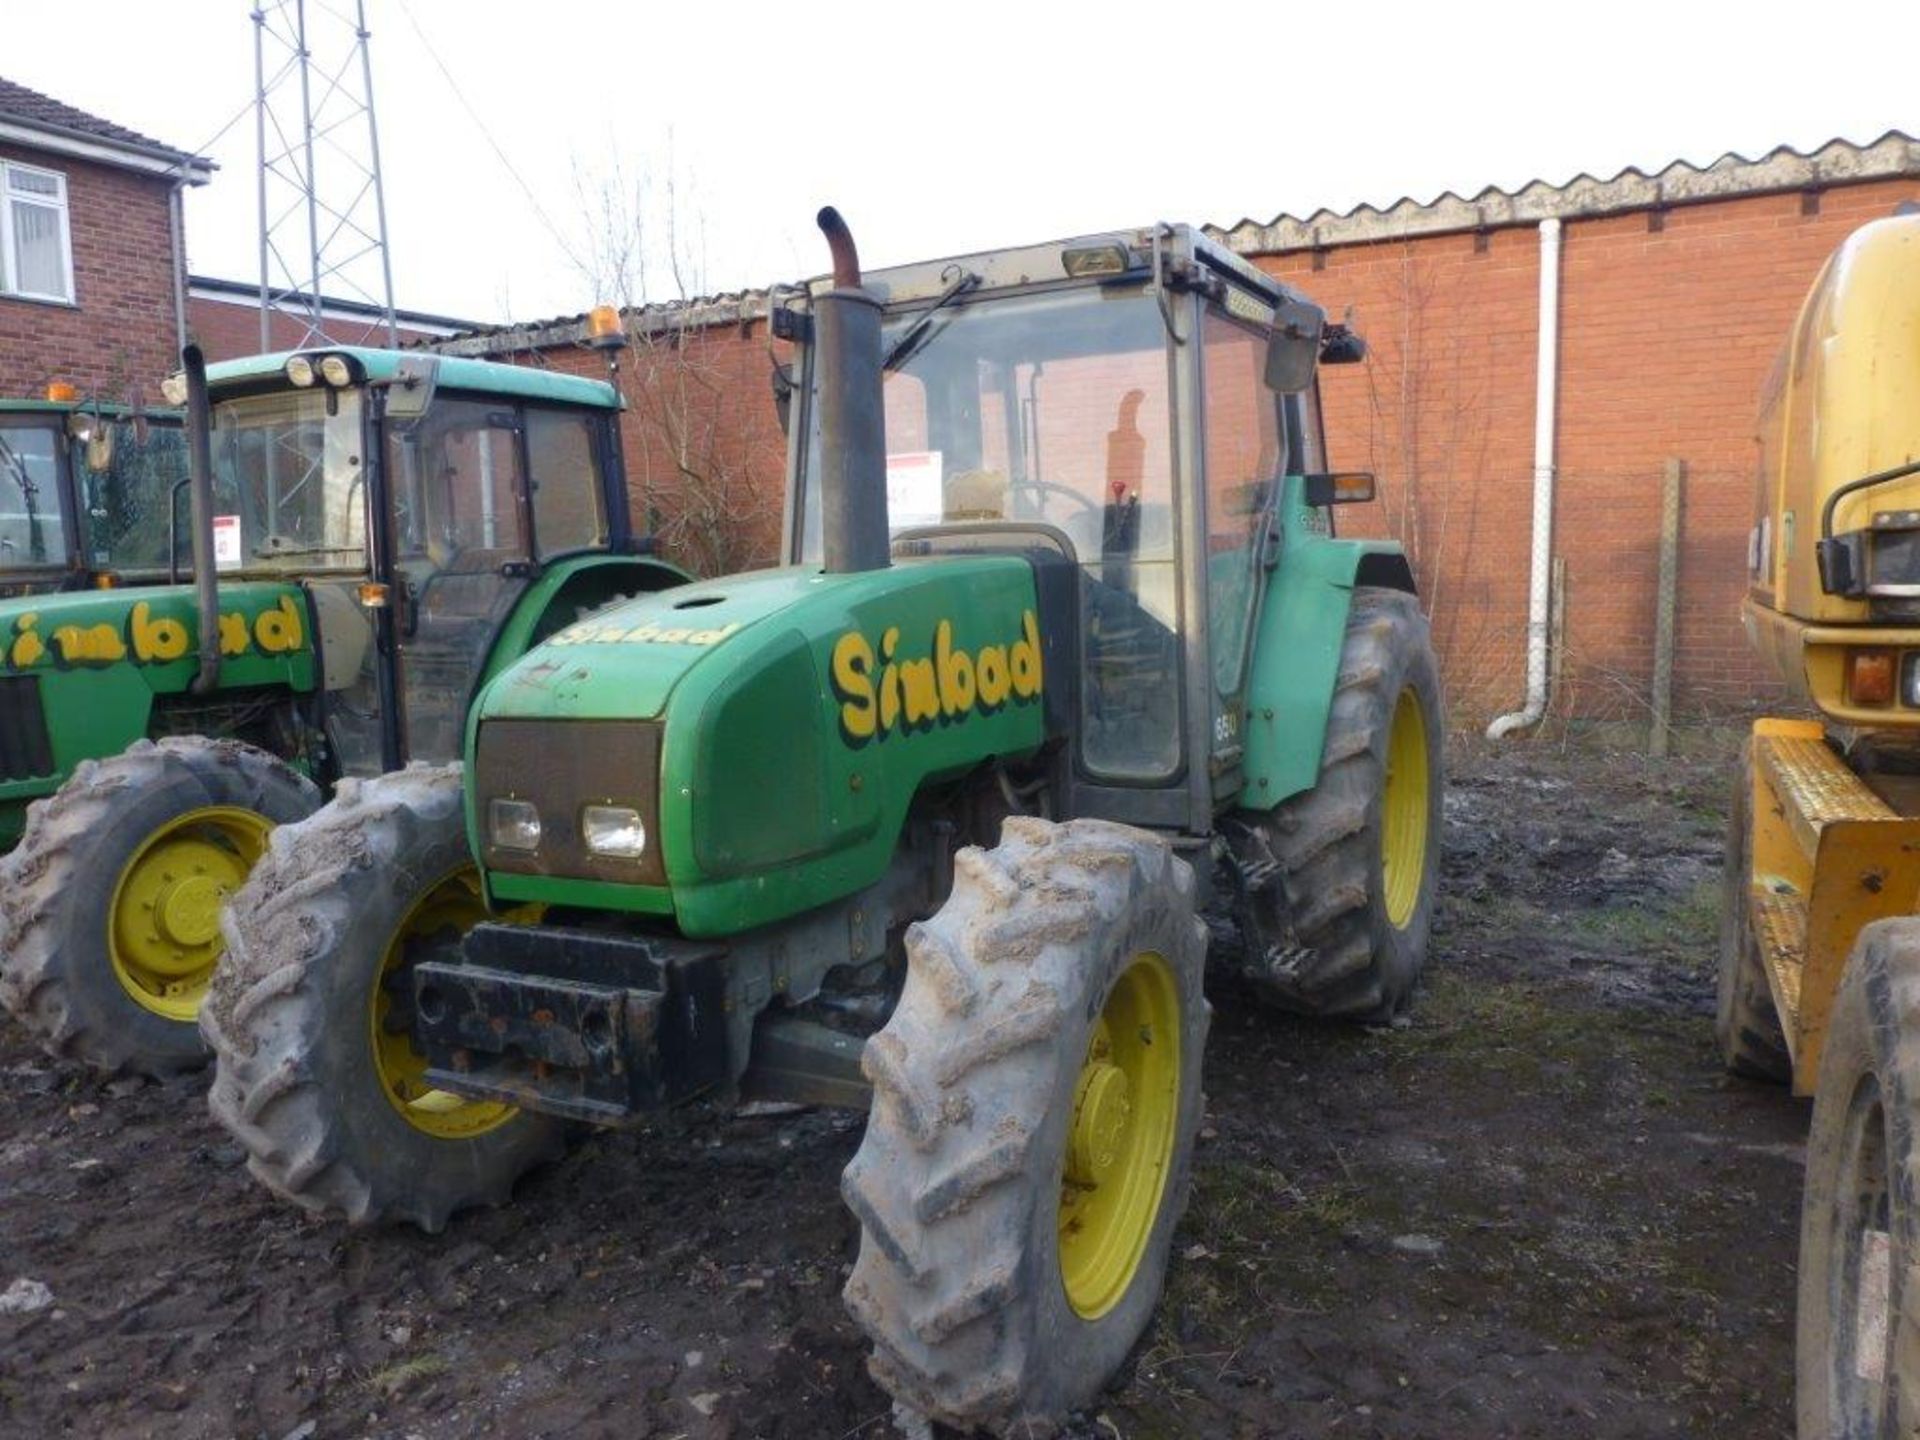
[(110, 920), (1036, 1097), (1858, 1356), (316, 1074)]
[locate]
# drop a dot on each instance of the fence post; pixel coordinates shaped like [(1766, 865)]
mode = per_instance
[(1661, 740)]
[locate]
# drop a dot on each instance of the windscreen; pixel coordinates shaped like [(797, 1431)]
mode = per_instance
[(1051, 408), (289, 482)]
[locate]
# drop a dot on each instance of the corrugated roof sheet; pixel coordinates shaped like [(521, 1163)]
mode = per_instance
[(1838, 162), (733, 308), (30, 107)]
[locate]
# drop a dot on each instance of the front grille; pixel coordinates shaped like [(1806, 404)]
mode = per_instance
[(563, 766), (26, 750)]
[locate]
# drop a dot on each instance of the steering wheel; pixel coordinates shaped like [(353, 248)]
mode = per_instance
[(1092, 507)]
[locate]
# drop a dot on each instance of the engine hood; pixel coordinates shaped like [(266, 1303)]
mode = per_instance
[(623, 662), (778, 726)]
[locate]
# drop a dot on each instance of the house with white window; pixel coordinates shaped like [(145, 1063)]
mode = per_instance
[(92, 264)]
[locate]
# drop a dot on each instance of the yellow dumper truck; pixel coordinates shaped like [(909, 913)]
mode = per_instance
[(1820, 939)]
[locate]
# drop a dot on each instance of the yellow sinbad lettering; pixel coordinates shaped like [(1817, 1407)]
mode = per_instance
[(880, 692), (234, 636), (27, 647), (156, 638), (277, 631), (88, 645), (149, 637)]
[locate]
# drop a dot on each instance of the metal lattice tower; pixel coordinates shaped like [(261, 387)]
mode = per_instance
[(323, 212)]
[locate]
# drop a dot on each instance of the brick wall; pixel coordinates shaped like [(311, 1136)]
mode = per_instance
[(120, 331), (226, 329), (1667, 331), (1666, 335)]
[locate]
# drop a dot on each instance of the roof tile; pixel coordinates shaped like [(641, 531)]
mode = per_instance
[(30, 107)]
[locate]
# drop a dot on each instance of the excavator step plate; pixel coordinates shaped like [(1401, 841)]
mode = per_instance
[(1780, 925), (1816, 788)]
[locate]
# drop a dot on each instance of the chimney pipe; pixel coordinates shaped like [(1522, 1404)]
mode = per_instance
[(853, 422), (200, 470)]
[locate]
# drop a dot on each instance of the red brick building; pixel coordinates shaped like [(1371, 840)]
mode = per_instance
[(1675, 291), (224, 318), (91, 268)]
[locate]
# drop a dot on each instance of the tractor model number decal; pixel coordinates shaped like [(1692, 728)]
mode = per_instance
[(649, 634), (880, 691), (150, 639)]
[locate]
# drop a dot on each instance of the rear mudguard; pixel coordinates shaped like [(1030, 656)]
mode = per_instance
[(1296, 651)]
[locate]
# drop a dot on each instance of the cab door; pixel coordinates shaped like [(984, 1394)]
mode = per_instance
[(461, 558), (1244, 459)]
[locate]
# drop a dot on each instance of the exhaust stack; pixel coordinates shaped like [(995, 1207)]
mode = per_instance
[(200, 494), (853, 422)]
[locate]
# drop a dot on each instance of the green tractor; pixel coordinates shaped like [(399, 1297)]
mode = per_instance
[(84, 490), (368, 535), (923, 820)]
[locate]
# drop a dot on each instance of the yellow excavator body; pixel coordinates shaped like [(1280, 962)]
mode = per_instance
[(1834, 836)]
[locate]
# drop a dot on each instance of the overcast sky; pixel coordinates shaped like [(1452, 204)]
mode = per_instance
[(938, 129)]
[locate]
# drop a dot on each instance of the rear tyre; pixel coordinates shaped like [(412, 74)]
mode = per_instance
[(1858, 1356), (109, 921), (1747, 1026), (1359, 854), (315, 1071), (1036, 1096)]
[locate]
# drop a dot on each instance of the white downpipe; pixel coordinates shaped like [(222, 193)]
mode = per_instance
[(1546, 392)]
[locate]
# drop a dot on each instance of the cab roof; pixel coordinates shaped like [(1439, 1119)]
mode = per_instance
[(456, 373), (1024, 265)]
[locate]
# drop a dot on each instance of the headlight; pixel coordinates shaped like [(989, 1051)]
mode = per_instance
[(513, 824), (613, 830), (334, 370), (299, 371)]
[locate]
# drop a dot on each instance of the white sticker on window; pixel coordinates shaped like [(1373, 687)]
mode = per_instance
[(226, 542), (914, 480)]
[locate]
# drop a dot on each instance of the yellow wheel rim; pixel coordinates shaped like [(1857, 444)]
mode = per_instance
[(163, 923), (1120, 1146), (1403, 811), (454, 904)]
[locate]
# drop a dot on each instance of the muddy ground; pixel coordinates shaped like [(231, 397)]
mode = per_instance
[(1539, 1210)]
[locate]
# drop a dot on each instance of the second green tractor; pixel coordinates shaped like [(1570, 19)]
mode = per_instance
[(193, 653), (924, 819)]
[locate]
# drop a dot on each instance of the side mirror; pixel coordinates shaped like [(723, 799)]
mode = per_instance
[(1340, 346), (1340, 487), (1293, 349)]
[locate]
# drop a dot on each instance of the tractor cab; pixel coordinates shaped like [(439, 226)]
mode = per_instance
[(1133, 404), (478, 476), (84, 491)]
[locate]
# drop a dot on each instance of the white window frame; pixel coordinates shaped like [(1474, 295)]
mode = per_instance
[(9, 260)]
